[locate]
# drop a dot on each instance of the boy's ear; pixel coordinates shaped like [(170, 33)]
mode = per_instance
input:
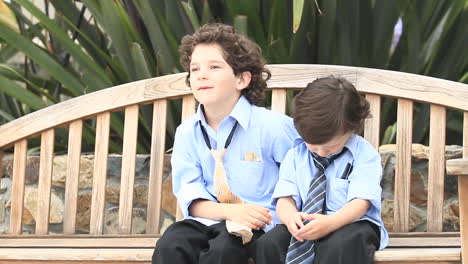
[(244, 80)]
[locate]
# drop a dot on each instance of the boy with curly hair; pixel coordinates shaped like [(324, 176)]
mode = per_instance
[(228, 133)]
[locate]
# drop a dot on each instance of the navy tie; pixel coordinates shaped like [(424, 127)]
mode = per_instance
[(303, 252)]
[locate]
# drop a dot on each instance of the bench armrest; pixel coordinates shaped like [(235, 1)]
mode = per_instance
[(457, 167)]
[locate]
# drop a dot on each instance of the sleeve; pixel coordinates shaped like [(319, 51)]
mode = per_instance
[(287, 183), (364, 181), (284, 138), (187, 176)]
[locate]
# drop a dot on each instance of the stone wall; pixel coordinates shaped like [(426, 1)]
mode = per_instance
[(84, 194), (418, 192)]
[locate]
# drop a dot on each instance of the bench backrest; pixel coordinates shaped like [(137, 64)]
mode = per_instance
[(407, 88)]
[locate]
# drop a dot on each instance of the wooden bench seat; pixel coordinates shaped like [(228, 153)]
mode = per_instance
[(432, 246), (405, 247)]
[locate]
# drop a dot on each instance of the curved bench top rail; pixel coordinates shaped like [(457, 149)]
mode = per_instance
[(374, 81), (381, 82), (91, 104)]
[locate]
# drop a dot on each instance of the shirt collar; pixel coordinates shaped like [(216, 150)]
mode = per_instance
[(352, 144), (241, 112)]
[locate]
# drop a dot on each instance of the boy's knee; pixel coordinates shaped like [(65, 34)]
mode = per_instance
[(231, 244), (351, 239)]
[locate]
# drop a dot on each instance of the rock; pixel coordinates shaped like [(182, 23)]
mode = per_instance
[(111, 221), (418, 151), (169, 201), (85, 179), (418, 193), (451, 217), (417, 220), (83, 211), (2, 211), (30, 205), (140, 191), (32, 169), (113, 190), (166, 221)]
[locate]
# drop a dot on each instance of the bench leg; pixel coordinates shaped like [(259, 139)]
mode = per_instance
[(463, 203)]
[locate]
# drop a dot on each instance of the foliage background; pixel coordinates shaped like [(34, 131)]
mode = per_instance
[(88, 45)]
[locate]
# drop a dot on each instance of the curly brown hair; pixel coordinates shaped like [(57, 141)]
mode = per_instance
[(240, 53), (329, 106)]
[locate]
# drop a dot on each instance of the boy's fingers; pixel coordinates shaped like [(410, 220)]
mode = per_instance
[(249, 223), (256, 223), (260, 218), (298, 238), (263, 210), (308, 216), (262, 214), (299, 222), (305, 229), (293, 230)]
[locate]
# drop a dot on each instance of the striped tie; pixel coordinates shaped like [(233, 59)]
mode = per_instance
[(304, 252)]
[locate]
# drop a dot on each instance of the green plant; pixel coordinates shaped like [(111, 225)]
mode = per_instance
[(93, 44)]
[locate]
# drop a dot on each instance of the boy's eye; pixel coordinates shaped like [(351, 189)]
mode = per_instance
[(214, 67), (193, 69)]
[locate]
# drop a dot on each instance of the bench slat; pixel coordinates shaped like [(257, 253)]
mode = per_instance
[(278, 101), (372, 125), (465, 135), (463, 194), (82, 254), (17, 187), (436, 167), (128, 169), (1, 165), (73, 174), (158, 139), (403, 165), (100, 172), (45, 181), (84, 242), (150, 242), (392, 255), (188, 109), (419, 255), (463, 207)]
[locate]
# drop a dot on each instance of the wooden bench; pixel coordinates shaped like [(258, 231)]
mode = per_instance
[(432, 246)]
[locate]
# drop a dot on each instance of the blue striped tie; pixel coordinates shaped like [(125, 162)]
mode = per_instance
[(304, 252)]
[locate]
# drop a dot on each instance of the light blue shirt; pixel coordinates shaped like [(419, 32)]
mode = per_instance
[(264, 135), (298, 170)]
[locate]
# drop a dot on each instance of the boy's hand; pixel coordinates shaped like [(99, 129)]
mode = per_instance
[(295, 224), (251, 215), (319, 226)]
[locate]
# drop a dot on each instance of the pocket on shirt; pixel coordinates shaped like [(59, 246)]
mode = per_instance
[(253, 155), (337, 194), (252, 179)]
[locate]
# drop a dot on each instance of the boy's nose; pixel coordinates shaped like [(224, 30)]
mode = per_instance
[(202, 74)]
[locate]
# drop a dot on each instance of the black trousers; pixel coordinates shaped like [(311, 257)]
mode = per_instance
[(352, 244), (191, 242)]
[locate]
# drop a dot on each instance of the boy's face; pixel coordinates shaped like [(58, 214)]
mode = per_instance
[(332, 146), (212, 79)]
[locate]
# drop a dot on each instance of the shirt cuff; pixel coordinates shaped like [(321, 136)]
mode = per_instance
[(191, 192), (287, 190)]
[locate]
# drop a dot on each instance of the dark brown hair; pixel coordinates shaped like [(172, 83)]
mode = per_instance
[(240, 53), (328, 107)]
